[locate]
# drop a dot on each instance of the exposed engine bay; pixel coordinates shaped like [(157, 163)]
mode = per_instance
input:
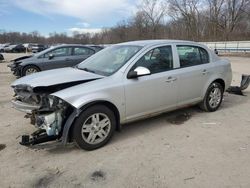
[(46, 112), (51, 115)]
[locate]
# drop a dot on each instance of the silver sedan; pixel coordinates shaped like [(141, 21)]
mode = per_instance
[(122, 83)]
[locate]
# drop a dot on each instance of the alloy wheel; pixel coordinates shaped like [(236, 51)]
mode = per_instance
[(30, 71), (96, 128), (214, 97)]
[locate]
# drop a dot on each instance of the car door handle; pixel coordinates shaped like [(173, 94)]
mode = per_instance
[(171, 79), (204, 72), (67, 59)]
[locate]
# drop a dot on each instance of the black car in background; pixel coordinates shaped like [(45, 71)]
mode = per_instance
[(15, 48), (1, 57), (67, 55), (37, 48)]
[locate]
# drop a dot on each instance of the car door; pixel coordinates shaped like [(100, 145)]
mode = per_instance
[(80, 54), (155, 92), (57, 58), (194, 72)]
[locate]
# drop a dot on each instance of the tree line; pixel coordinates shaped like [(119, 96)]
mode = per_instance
[(197, 20)]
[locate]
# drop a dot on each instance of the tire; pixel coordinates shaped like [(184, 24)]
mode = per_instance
[(30, 69), (210, 104), (88, 133)]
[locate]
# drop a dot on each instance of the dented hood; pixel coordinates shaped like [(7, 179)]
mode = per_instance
[(21, 58), (56, 77)]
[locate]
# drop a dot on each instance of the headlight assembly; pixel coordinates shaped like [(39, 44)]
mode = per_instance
[(54, 101)]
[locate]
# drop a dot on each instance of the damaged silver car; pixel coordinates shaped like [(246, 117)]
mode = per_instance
[(120, 84)]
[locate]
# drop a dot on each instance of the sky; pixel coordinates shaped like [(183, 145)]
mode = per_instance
[(48, 16)]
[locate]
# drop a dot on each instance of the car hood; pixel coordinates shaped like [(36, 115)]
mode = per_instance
[(21, 59), (64, 76)]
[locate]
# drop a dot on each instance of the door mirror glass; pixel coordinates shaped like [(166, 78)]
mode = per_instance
[(51, 56), (139, 71)]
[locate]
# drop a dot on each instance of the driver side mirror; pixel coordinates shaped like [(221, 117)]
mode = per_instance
[(51, 56), (139, 71)]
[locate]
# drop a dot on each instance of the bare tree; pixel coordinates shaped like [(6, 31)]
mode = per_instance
[(152, 12), (201, 20), (188, 11), (215, 12), (233, 14)]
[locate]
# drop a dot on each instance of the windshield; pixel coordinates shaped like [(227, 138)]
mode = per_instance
[(109, 60)]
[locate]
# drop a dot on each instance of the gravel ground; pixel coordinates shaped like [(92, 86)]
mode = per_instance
[(184, 148)]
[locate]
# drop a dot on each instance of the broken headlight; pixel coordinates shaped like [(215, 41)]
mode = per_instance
[(51, 116), (54, 101)]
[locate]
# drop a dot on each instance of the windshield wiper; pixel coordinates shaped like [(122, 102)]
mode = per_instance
[(87, 70)]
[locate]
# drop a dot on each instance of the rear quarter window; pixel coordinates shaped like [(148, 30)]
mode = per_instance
[(204, 55), (82, 51)]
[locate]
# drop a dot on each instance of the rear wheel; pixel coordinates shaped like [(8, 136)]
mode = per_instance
[(94, 127), (30, 69), (213, 97)]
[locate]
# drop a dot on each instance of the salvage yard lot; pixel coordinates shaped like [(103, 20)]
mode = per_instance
[(184, 148)]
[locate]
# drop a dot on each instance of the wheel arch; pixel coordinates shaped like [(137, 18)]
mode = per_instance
[(204, 105), (29, 65), (214, 79), (221, 82), (108, 104)]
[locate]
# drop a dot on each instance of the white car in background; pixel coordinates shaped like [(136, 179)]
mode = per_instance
[(120, 84)]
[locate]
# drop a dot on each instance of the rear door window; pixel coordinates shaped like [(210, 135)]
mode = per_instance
[(192, 55)]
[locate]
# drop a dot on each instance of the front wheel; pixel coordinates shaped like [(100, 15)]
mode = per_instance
[(30, 69), (213, 97), (94, 127)]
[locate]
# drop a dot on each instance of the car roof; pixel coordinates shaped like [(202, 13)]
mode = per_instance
[(12, 45), (62, 45), (145, 43), (71, 45)]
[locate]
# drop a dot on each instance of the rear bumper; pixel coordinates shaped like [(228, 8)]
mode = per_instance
[(228, 79)]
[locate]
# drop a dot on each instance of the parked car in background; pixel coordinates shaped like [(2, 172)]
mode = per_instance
[(67, 55), (15, 48), (2, 46), (37, 48), (1, 57), (96, 47), (28, 46), (120, 84)]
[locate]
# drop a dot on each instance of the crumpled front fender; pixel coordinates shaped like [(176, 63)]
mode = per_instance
[(83, 94), (68, 124)]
